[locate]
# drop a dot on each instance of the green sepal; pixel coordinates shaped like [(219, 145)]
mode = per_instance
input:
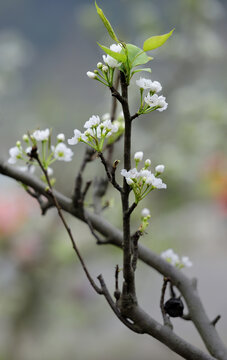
[(117, 56), (136, 56), (156, 41), (106, 23)]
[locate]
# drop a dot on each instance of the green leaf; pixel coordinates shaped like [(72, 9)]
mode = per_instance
[(139, 70), (118, 56), (156, 41), (136, 56), (106, 23)]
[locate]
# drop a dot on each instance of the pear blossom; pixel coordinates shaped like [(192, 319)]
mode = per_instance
[(145, 212), (92, 122), (62, 152), (171, 257), (15, 153), (110, 61), (160, 168), (61, 137), (138, 156), (153, 86), (116, 48), (155, 100), (91, 75), (41, 135), (76, 138), (174, 259)]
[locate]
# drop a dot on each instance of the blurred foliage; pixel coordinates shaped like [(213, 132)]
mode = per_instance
[(47, 309)]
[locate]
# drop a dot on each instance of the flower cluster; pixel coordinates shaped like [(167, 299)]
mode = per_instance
[(174, 259), (96, 132), (143, 181), (151, 101), (105, 71), (48, 154)]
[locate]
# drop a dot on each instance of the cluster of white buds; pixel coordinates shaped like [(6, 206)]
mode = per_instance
[(48, 154), (105, 71), (143, 181), (96, 132), (171, 257), (151, 101)]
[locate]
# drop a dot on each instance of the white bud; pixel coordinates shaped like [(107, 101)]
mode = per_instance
[(147, 162), (61, 137), (18, 143), (105, 68), (129, 181), (138, 156), (145, 212), (91, 75), (160, 168), (25, 138), (99, 65)]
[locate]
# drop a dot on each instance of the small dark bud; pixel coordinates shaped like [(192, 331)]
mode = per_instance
[(33, 153), (174, 307), (115, 164), (117, 294)]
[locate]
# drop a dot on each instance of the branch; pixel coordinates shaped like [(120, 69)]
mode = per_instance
[(110, 177), (185, 285)]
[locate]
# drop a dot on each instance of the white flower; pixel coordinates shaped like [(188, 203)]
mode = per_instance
[(153, 86), (132, 174), (62, 152), (91, 75), (145, 212), (116, 48), (147, 162), (110, 61), (41, 135), (160, 169), (155, 100), (76, 138), (61, 137), (138, 156), (92, 122), (170, 256), (15, 153), (186, 262)]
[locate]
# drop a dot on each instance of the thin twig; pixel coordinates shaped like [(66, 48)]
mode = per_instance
[(216, 319), (134, 116), (115, 309), (44, 205), (110, 178), (50, 191)]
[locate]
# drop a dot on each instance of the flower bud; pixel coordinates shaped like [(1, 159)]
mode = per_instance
[(61, 137), (145, 212), (105, 68), (18, 143), (91, 75), (147, 162), (160, 168), (25, 138), (138, 156), (99, 65)]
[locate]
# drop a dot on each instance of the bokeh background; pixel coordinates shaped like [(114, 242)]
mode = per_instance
[(47, 308)]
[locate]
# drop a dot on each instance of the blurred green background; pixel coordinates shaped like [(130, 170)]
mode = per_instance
[(47, 308)]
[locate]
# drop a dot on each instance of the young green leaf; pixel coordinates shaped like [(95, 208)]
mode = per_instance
[(156, 41), (106, 23), (139, 70), (136, 56), (118, 56)]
